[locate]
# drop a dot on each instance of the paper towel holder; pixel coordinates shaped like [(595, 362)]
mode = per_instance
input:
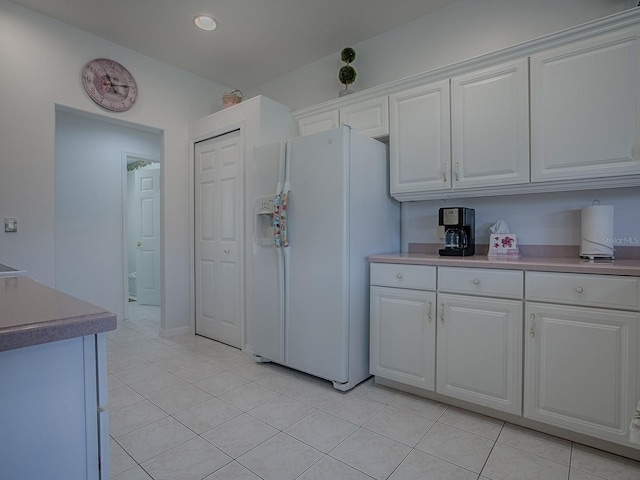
[(597, 232)]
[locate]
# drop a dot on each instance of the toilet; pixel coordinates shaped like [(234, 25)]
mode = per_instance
[(133, 287)]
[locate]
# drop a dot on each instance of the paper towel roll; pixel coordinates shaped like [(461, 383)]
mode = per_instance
[(597, 231)]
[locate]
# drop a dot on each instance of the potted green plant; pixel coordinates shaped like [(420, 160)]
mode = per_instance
[(347, 74)]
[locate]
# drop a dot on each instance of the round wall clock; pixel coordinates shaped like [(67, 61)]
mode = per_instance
[(109, 84)]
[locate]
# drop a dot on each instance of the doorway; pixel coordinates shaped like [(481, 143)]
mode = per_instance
[(90, 182), (142, 242)]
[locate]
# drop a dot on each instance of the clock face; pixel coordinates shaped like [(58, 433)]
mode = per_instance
[(109, 84)]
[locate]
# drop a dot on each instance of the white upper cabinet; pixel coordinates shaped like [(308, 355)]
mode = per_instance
[(369, 116), (490, 126), (585, 115), (420, 139)]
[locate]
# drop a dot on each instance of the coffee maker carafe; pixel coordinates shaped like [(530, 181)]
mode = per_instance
[(459, 231)]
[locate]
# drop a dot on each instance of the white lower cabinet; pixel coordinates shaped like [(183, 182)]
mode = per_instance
[(581, 363), (479, 355), (403, 334)]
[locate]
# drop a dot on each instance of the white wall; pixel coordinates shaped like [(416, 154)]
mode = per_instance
[(457, 32), (41, 62), (88, 192), (536, 219)]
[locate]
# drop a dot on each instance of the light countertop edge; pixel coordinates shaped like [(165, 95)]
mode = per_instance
[(34, 314), (540, 264)]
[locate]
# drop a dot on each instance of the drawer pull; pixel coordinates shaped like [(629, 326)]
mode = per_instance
[(532, 324), (457, 172), (444, 172), (579, 289), (476, 282), (429, 311), (442, 313), (399, 276)]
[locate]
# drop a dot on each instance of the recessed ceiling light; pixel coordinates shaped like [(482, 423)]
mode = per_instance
[(205, 22)]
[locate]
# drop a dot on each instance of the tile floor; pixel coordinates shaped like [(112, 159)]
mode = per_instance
[(191, 408)]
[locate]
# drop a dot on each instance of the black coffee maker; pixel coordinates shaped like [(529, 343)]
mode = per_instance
[(459, 231)]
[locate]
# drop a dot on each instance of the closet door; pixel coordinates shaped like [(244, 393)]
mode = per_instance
[(218, 238)]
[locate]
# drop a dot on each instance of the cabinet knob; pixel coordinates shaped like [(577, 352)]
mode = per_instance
[(399, 276), (444, 172), (442, 313), (226, 250), (429, 311), (476, 282), (579, 290), (532, 325), (457, 172)]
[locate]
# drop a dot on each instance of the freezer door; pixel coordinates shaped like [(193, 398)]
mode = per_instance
[(317, 320), (265, 312)]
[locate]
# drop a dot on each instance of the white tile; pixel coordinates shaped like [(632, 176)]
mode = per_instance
[(280, 458), (122, 397), (379, 393), (248, 396), (221, 383), (207, 415), (176, 400), (178, 361), (135, 473), (281, 412), (157, 385), (151, 440), (371, 453), (506, 463), (239, 435), (328, 468), (456, 446), (228, 360), (538, 443), (314, 393), (197, 372), (321, 430), (124, 361), (472, 422), (113, 382), (400, 425), (252, 370), (603, 464), (418, 405), (278, 382), (421, 466), (578, 475), (119, 460), (192, 460), (126, 419), (353, 408), (139, 373), (232, 471)]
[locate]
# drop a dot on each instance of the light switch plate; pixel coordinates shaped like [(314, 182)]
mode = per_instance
[(10, 224)]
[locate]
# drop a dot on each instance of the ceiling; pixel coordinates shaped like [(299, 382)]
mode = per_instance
[(256, 40)]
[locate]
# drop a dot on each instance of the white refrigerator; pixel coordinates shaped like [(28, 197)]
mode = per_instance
[(309, 288)]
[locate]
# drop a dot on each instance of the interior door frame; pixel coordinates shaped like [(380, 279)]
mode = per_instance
[(193, 140), (125, 156)]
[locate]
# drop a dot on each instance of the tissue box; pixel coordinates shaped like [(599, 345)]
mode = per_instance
[(503, 245)]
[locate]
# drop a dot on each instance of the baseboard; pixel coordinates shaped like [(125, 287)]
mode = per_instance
[(174, 332)]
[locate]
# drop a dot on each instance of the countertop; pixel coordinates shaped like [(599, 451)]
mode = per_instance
[(543, 264), (32, 314)]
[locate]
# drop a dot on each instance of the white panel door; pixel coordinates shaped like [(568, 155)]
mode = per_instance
[(403, 336), (490, 126), (218, 236), (479, 353), (420, 139), (147, 215), (581, 368), (585, 108)]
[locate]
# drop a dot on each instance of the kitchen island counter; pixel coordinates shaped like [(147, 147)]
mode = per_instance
[(33, 314), (543, 264)]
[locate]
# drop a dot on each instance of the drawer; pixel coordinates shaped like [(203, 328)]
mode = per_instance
[(607, 291), (417, 277), (481, 281)]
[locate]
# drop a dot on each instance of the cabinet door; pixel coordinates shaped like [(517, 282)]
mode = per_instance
[(585, 109), (318, 123), (490, 126), (420, 139), (370, 117), (403, 335), (581, 368), (479, 355)]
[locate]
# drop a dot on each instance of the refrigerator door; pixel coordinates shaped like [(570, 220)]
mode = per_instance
[(266, 313), (317, 323)]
